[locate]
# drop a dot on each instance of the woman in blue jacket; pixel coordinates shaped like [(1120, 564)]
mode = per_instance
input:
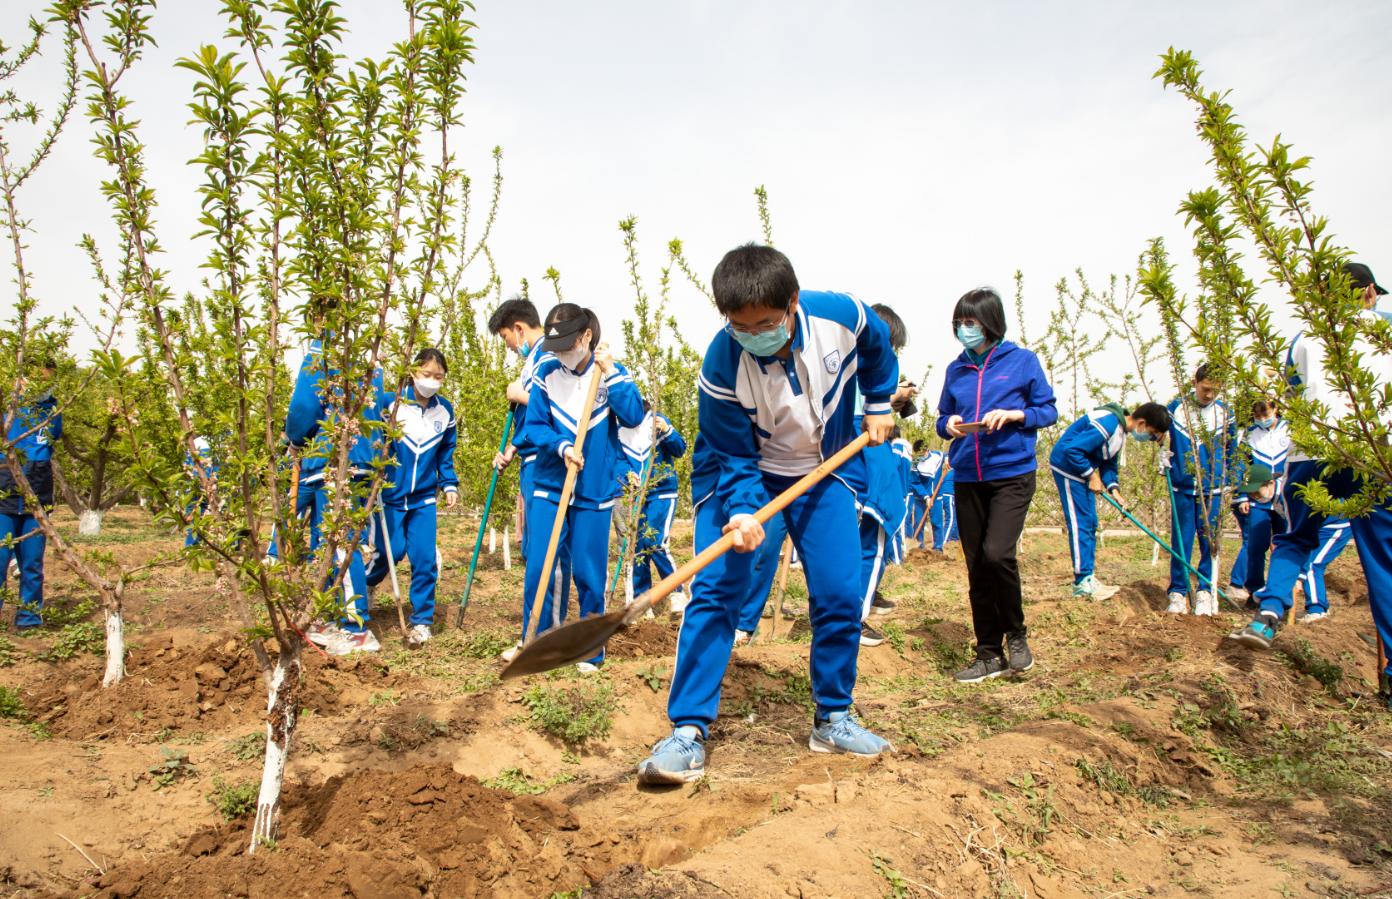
[(1003, 387)]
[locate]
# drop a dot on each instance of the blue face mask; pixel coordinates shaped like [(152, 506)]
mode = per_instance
[(524, 348), (765, 343), (1142, 436), (1267, 423), (970, 336)]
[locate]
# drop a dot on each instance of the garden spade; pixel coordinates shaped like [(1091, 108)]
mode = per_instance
[(579, 640)]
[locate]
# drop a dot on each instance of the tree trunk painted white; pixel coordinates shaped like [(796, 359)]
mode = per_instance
[(115, 649), (507, 551), (628, 581), (281, 705), (492, 541), (1154, 554), (89, 523)]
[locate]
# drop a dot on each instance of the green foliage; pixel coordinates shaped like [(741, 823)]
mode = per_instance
[(1303, 657), (74, 639), (11, 705), (484, 644), (574, 712), (519, 782), (7, 652), (249, 747), (173, 767), (233, 802), (1105, 776), (653, 675)]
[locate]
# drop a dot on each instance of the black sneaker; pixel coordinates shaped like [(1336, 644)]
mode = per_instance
[(869, 636), (881, 606), (984, 668), (1021, 659)]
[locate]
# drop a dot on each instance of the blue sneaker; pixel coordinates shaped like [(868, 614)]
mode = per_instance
[(840, 732), (679, 759), (1260, 633)]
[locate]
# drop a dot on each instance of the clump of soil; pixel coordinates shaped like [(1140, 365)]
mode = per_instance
[(424, 832), (646, 637)]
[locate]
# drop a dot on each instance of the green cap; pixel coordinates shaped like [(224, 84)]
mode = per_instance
[(1258, 476)]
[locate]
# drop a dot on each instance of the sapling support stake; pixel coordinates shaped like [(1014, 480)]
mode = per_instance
[(396, 584), (483, 522), (784, 563)]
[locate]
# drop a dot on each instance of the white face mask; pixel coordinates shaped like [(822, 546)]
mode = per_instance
[(574, 357), (427, 387)]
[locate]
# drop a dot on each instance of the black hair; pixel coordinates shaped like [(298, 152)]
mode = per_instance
[(919, 444), (1156, 417), (898, 333), (1206, 372), (1269, 403), (564, 312), (984, 305), (753, 275), (895, 433), (430, 354), (511, 312)]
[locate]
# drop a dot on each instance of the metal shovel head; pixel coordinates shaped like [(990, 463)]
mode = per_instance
[(574, 641)]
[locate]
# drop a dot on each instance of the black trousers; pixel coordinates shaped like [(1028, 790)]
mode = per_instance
[(990, 519)]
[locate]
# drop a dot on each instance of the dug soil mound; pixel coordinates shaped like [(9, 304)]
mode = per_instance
[(426, 832)]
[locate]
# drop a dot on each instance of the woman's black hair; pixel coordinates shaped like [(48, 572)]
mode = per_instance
[(430, 354), (984, 305), (898, 333), (753, 275), (1156, 417), (564, 312)]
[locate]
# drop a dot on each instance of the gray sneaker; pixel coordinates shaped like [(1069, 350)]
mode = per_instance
[(840, 732), (984, 668), (679, 759), (1021, 659)]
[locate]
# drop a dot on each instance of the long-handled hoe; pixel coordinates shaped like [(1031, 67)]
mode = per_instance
[(1163, 545), (579, 640)]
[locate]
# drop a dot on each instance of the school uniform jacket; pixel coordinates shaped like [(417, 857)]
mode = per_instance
[(422, 459), (529, 366), (556, 404), (1092, 443), (1266, 446), (1214, 420), (765, 415), (35, 453), (309, 409), (1305, 370), (637, 447)]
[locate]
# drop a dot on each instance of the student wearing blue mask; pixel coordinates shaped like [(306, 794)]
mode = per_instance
[(777, 397), (36, 426), (1084, 463), (1267, 442), (1003, 387)]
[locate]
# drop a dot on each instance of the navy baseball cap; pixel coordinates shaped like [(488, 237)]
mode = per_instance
[(1362, 276)]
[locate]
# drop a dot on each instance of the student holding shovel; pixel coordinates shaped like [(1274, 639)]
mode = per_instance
[(557, 404), (1084, 463), (777, 398)]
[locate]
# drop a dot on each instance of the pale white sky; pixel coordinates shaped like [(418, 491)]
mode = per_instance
[(911, 150)]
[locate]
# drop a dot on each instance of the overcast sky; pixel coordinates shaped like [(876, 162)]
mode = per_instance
[(911, 150)]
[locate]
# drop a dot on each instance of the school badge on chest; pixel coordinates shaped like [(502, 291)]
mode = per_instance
[(601, 396), (439, 426), (832, 361)]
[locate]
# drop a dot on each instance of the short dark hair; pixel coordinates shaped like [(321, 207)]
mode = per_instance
[(898, 333), (1207, 372), (895, 433), (564, 312), (984, 305), (512, 311), (919, 444), (431, 354), (1269, 403), (1156, 416), (753, 275)]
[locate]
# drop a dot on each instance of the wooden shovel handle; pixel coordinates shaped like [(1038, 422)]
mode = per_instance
[(582, 427), (717, 549), (928, 509)]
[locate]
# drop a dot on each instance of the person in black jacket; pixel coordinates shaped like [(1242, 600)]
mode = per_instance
[(36, 426)]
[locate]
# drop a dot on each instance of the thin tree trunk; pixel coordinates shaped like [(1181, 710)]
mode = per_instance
[(282, 706)]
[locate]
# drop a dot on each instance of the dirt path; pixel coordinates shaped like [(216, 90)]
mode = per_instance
[(1141, 757)]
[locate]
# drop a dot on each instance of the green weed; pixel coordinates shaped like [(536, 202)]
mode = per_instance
[(519, 782), (576, 713), (250, 747), (1306, 659), (898, 886), (173, 767), (11, 706), (233, 802), (75, 638)]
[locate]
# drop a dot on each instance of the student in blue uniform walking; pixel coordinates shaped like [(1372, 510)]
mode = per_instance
[(928, 471), (558, 397), (1004, 387), (942, 518), (1084, 463), (36, 426), (309, 410), (1199, 465), (1334, 535), (421, 466), (660, 503), (903, 451), (1372, 532), (777, 396), (1267, 441)]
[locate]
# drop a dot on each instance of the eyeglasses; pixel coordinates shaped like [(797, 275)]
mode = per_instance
[(969, 322), (761, 328)]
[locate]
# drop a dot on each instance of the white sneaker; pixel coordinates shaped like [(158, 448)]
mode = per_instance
[(346, 643), (1179, 604), (1240, 594), (586, 667), (419, 634), (744, 638), (1091, 588), (1205, 603), (507, 655), (1312, 617), (322, 633), (678, 601)]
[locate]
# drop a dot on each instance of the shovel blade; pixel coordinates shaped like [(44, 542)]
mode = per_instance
[(574, 641)]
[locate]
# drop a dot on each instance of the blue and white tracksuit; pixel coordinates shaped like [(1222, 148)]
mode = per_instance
[(764, 423), (903, 452), (422, 465), (1294, 548), (1269, 447), (942, 518), (660, 503), (882, 513), (923, 480), (1213, 461), (36, 425), (1333, 537), (527, 455), (1093, 443), (308, 410), (556, 404), (207, 464)]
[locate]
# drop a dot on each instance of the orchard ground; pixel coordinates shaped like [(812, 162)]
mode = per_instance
[(1142, 756)]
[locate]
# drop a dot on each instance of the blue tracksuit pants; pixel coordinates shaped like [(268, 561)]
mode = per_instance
[(1333, 537), (409, 534), (944, 520), (310, 505), (1186, 512), (763, 574), (653, 542), (585, 540), (1079, 524), (1238, 578), (1260, 524), (1295, 547), (876, 550), (823, 524), (29, 554), (918, 509)]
